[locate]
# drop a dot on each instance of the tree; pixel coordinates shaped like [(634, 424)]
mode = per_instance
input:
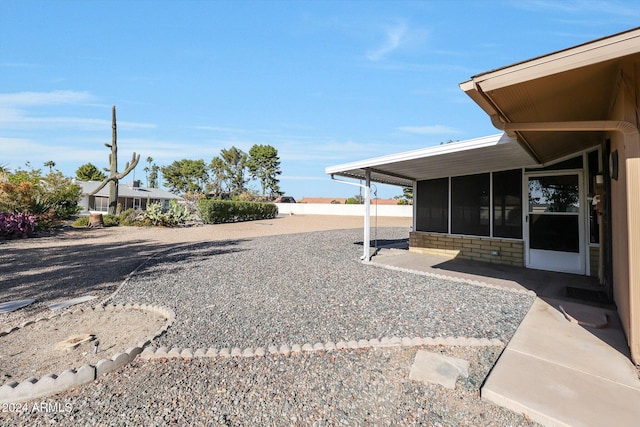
[(89, 172), (50, 164), (153, 176), (114, 176), (183, 176), (407, 196), (5, 171), (355, 200), (147, 169), (50, 197), (235, 163), (264, 165), (217, 177)]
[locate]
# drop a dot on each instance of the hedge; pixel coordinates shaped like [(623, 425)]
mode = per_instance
[(221, 211)]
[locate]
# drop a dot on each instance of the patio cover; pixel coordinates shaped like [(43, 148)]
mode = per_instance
[(491, 153), (560, 103)]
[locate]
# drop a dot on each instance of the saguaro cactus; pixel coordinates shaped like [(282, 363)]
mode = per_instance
[(114, 177)]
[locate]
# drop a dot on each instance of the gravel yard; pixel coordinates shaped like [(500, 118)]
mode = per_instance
[(308, 288), (246, 291)]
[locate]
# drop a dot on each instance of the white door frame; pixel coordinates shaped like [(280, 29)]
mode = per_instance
[(570, 263)]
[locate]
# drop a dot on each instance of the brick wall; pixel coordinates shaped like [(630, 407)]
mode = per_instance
[(509, 252)]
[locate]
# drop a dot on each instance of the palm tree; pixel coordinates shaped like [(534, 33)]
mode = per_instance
[(50, 164), (148, 168)]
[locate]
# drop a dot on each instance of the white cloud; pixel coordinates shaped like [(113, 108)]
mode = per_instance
[(394, 39), (302, 178), (428, 130), (11, 118), (44, 98)]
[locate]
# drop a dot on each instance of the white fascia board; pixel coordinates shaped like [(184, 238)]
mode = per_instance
[(438, 150), (609, 48)]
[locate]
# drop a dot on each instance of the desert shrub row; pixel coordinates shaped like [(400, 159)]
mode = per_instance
[(154, 215), (223, 211)]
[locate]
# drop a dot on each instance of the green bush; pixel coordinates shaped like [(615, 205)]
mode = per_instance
[(156, 215), (129, 217), (222, 211), (82, 221), (111, 220), (108, 220)]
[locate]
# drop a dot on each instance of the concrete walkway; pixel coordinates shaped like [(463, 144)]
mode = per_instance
[(561, 373), (567, 364)]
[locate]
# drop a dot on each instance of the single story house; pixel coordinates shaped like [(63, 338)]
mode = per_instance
[(343, 200), (130, 195), (558, 190)]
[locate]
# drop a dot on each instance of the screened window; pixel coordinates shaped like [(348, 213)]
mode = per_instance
[(432, 205), (507, 204), (101, 204), (470, 204)]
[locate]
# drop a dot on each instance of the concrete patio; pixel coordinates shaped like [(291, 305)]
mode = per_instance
[(568, 363)]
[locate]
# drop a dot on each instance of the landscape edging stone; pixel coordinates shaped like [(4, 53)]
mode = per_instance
[(48, 384)]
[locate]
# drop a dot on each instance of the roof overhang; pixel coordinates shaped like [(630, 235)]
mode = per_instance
[(575, 85), (492, 153)]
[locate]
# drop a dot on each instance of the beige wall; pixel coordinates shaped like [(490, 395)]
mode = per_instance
[(594, 260), (625, 201)]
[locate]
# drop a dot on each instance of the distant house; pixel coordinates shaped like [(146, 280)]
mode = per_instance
[(342, 200), (130, 195)]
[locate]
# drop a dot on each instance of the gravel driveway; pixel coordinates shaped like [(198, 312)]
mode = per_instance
[(296, 289)]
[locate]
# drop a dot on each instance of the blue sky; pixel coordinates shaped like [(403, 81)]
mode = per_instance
[(323, 82)]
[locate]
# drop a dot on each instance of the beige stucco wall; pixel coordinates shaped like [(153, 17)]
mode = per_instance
[(594, 260), (625, 201)]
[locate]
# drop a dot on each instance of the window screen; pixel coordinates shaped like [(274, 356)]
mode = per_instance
[(507, 204), (432, 205), (470, 204)]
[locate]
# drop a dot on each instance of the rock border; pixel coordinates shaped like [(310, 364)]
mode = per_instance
[(51, 383), (154, 353)]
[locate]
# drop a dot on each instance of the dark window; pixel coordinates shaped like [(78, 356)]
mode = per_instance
[(507, 204), (470, 205), (573, 163), (432, 205), (554, 232)]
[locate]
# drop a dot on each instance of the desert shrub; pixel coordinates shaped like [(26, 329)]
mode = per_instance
[(222, 211), (111, 220), (108, 220), (82, 221), (178, 214), (129, 217), (61, 193), (16, 197), (48, 198), (16, 224), (156, 215)]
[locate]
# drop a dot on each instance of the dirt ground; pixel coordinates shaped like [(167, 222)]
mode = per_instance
[(70, 263)]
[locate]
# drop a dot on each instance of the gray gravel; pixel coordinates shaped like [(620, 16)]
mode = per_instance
[(351, 388), (296, 289), (309, 288)]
